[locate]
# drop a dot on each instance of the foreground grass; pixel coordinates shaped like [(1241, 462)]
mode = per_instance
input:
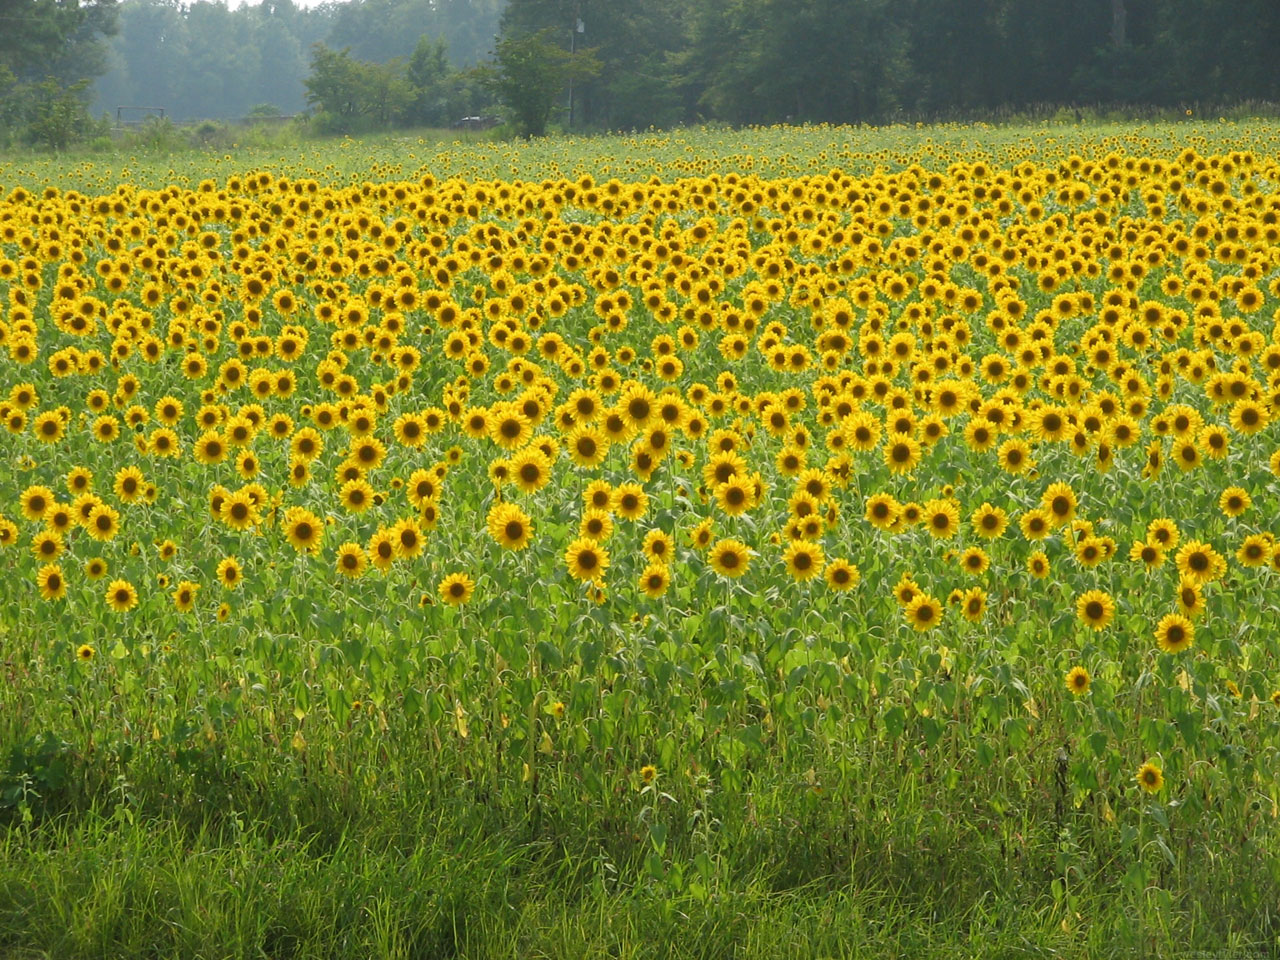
[(405, 872)]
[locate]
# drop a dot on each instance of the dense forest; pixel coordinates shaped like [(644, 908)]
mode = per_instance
[(651, 62)]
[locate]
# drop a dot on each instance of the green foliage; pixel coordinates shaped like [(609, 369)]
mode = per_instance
[(529, 74)]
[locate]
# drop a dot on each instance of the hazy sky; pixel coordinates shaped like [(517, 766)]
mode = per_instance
[(297, 3)]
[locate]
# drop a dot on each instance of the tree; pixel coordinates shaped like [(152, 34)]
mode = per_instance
[(355, 95), (528, 74), (430, 80), (49, 51)]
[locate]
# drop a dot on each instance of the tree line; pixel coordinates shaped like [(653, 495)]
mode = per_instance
[(623, 64)]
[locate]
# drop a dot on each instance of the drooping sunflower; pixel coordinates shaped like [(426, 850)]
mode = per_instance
[(1095, 608), (586, 559), (729, 558)]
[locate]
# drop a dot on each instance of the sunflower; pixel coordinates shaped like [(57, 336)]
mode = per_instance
[(729, 558), (596, 525), (1255, 550), (456, 589), (630, 501), (350, 560), (1014, 456), (973, 604), (1175, 633), (736, 495), (1078, 681), (1163, 532), (121, 596), (654, 580), (974, 560), (530, 469), (598, 495), (1199, 562), (1234, 501), (510, 526), (901, 453), (1190, 597), (223, 612), (1060, 502), (304, 530), (941, 517), (35, 501), (184, 595), (239, 511), (47, 545), (659, 546), (1095, 608), (1036, 524), (586, 559), (989, 522), (804, 559), (103, 522), (923, 612), (588, 445), (882, 511), (210, 448), (356, 496), (841, 575), (382, 549), (1149, 777), (408, 537), (53, 585), (230, 572)]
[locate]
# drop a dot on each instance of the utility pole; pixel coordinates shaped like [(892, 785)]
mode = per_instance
[(577, 28)]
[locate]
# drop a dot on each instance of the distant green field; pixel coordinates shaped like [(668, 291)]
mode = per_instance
[(717, 544), (765, 151)]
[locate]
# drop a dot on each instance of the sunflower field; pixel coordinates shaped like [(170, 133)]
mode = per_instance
[(867, 551)]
